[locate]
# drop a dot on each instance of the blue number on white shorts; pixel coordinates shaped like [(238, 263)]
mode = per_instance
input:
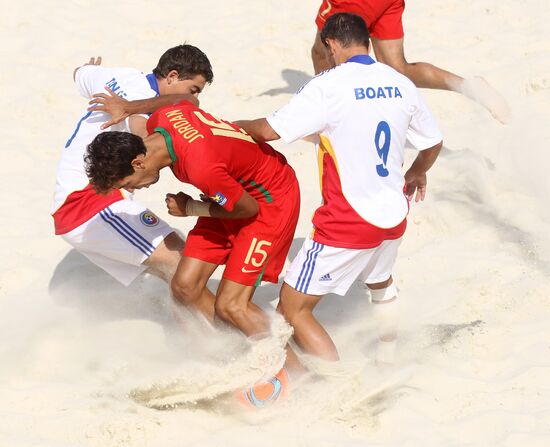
[(383, 128)]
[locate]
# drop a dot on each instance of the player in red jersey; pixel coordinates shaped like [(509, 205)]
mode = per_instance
[(384, 20), (247, 222)]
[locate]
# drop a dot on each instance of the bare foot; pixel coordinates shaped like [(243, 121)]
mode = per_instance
[(479, 90)]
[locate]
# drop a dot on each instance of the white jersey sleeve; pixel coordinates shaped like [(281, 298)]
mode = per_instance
[(127, 83), (91, 79), (137, 89), (304, 115), (88, 80), (423, 132)]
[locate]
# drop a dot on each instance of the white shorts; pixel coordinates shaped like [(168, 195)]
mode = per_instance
[(320, 269), (120, 238)]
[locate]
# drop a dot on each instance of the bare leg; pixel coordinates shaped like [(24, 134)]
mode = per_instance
[(423, 75), (309, 335), (234, 305), (426, 75), (166, 257), (189, 285), (292, 362)]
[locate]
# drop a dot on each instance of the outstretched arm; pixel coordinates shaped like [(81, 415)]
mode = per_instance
[(120, 109), (415, 177), (258, 129)]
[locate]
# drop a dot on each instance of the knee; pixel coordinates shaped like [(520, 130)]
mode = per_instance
[(290, 313), (227, 308), (399, 64), (174, 242), (184, 289)]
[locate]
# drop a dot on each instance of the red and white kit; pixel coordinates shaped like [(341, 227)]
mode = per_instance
[(113, 231), (363, 112)]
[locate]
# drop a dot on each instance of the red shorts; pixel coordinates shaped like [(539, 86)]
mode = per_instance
[(252, 250), (383, 17)]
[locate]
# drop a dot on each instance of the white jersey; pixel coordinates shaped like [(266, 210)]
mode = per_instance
[(363, 112), (128, 83)]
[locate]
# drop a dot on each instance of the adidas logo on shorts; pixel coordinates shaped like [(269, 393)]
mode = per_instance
[(325, 277)]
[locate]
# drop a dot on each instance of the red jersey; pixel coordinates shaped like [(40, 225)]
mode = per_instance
[(383, 17), (220, 158)]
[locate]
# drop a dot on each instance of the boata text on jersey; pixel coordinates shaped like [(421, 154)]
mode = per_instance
[(378, 92)]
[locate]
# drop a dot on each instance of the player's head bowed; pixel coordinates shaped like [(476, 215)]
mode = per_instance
[(346, 28), (187, 60), (109, 158)]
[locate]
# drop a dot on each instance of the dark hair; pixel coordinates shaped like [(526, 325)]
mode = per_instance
[(347, 29), (109, 158), (187, 60)]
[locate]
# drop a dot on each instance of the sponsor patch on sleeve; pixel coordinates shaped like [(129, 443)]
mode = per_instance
[(219, 198)]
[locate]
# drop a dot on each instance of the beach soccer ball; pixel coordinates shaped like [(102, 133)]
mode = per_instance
[(264, 393)]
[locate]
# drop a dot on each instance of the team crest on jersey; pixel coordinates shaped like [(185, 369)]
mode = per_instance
[(219, 198), (149, 219)]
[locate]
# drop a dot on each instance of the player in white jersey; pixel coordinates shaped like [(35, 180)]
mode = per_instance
[(363, 112), (115, 232)]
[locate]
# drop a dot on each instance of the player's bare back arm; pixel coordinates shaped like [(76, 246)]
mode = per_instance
[(259, 129), (120, 109), (415, 177)]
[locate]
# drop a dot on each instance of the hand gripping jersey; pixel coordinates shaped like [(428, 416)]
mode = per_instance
[(74, 200), (219, 158), (364, 112)]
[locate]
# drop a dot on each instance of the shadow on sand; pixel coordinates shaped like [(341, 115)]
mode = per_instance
[(78, 283), (294, 80)]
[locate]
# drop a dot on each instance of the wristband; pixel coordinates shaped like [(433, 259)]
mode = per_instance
[(197, 208)]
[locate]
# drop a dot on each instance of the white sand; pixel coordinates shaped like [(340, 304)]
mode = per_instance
[(474, 355)]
